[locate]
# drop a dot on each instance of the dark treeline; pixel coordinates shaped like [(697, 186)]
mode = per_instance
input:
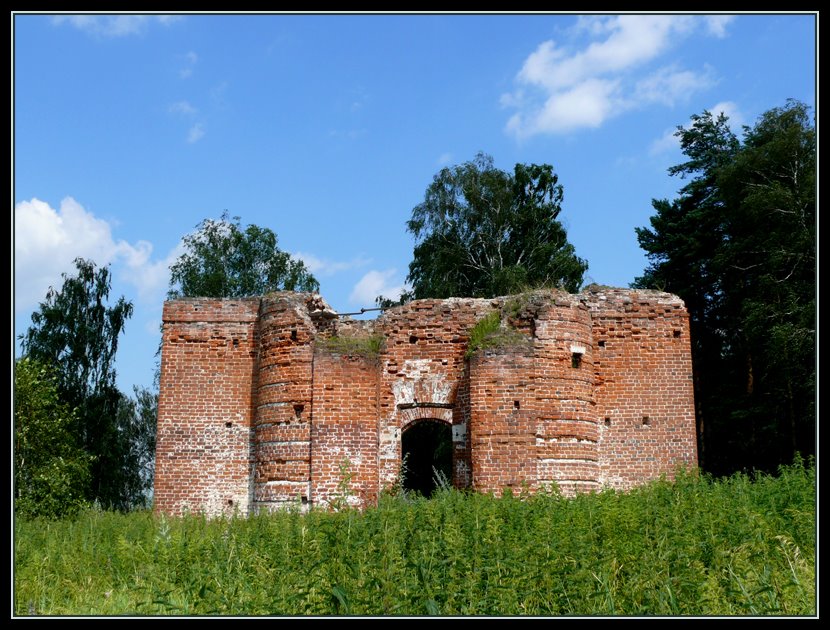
[(739, 246)]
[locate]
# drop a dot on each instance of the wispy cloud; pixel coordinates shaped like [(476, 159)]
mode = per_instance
[(47, 241), (665, 143), (325, 267), (114, 25), (182, 107), (669, 85), (375, 283), (443, 159), (716, 24), (190, 59), (561, 89), (196, 133), (218, 94)]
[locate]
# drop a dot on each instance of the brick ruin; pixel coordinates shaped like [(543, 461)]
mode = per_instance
[(276, 401)]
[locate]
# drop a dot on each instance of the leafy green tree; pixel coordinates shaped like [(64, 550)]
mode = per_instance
[(137, 419), (76, 332), (482, 232), (739, 246), (223, 260), (51, 470)]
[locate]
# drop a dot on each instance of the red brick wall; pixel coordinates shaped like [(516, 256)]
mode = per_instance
[(344, 433), (251, 416), (502, 420), (423, 375), (645, 401), (203, 451), (282, 433)]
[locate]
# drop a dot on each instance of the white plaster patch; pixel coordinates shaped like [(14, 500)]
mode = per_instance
[(388, 442), (404, 391), (420, 384), (459, 432)]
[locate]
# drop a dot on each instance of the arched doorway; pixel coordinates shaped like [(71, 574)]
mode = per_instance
[(426, 446)]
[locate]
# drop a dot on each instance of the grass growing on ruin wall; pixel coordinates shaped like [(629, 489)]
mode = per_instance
[(489, 333), (365, 346), (737, 546)]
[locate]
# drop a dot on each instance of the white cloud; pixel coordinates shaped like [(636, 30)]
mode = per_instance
[(588, 104), (669, 85), (47, 241), (731, 111), (375, 283), (325, 267), (182, 107), (665, 143), (196, 133), (716, 24), (114, 25), (560, 89)]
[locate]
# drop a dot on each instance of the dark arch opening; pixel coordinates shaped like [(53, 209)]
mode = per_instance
[(426, 445)]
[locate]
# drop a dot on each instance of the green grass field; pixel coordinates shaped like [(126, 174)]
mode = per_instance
[(736, 546)]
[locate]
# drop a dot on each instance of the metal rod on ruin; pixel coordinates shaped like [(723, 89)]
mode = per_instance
[(363, 310)]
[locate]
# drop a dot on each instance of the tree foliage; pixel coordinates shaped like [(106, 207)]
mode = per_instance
[(221, 259), (76, 332), (137, 419), (739, 246), (51, 470), (482, 232)]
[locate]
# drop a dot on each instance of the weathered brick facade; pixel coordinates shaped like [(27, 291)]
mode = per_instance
[(258, 410)]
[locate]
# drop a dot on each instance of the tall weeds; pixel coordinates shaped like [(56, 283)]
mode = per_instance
[(696, 546)]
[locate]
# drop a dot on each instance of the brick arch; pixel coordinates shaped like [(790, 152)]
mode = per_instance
[(414, 414)]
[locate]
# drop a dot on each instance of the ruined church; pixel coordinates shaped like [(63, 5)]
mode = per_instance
[(276, 401)]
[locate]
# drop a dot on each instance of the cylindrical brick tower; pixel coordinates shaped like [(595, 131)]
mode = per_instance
[(567, 433), (281, 444)]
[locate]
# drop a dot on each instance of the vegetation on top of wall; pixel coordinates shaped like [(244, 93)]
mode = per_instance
[(490, 333), (595, 287), (364, 346), (526, 304)]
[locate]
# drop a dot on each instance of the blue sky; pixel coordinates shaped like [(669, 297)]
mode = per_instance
[(131, 129)]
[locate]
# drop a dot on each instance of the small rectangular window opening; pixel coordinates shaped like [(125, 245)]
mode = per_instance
[(608, 422), (646, 421), (576, 360), (293, 335), (298, 410), (516, 404), (602, 343)]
